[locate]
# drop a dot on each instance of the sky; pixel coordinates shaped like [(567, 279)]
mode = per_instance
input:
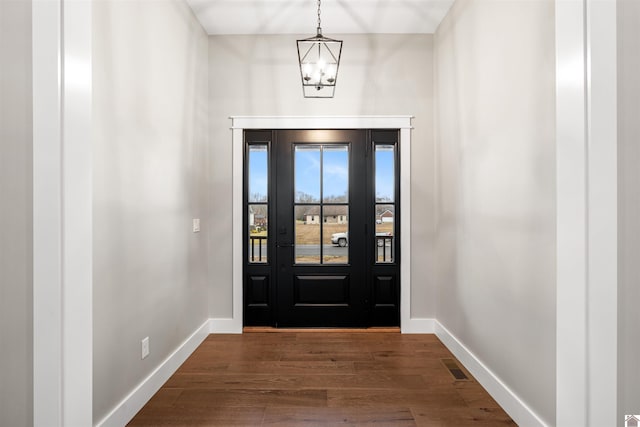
[(335, 161), (384, 172), (258, 166), (335, 170)]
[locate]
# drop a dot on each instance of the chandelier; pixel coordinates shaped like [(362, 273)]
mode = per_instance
[(319, 59)]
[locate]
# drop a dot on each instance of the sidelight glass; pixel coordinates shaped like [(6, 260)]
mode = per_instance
[(258, 208), (385, 233), (385, 212), (385, 173), (258, 232), (258, 173)]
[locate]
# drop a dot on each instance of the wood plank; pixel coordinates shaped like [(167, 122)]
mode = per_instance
[(480, 417), (474, 395), (291, 367), (327, 356), (196, 397), (164, 397), (300, 382), (439, 396), (199, 416), (395, 417)]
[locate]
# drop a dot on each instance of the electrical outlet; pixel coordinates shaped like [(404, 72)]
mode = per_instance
[(196, 225), (145, 347)]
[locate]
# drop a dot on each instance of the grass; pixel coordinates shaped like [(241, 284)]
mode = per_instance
[(327, 259), (309, 234)]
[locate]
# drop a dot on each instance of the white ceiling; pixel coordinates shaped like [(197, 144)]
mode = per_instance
[(338, 16)]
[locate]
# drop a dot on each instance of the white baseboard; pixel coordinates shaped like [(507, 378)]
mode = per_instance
[(418, 326), (130, 405), (510, 402), (225, 326)]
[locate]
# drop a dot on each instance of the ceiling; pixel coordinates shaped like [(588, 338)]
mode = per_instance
[(338, 16)]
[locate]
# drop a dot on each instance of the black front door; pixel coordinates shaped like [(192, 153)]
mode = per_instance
[(321, 283), (321, 245)]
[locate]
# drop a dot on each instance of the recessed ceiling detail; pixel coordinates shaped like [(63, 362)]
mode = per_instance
[(341, 16)]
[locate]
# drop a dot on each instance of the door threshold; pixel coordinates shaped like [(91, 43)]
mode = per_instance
[(268, 329)]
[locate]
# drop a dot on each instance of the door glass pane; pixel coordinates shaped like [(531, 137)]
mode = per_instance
[(258, 227), (385, 236), (335, 174), (258, 173), (307, 226), (385, 174), (335, 223), (321, 176), (385, 233), (307, 174)]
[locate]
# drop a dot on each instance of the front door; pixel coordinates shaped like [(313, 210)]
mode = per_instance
[(322, 235)]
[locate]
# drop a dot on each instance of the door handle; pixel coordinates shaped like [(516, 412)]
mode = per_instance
[(284, 245)]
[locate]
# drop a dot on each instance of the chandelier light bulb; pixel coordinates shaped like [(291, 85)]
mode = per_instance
[(331, 74), (307, 72)]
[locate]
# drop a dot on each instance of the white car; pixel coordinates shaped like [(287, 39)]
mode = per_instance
[(342, 239)]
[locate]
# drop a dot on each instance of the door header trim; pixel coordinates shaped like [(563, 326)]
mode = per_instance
[(321, 122)]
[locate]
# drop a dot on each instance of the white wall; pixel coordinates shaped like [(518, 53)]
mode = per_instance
[(379, 75), (495, 91), (16, 220), (628, 207), (150, 180)]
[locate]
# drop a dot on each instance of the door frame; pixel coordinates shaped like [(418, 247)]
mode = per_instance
[(403, 123)]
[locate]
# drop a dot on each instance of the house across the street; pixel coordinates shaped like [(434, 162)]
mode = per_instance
[(331, 215), (386, 216)]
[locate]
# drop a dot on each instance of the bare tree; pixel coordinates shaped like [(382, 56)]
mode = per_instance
[(302, 197)]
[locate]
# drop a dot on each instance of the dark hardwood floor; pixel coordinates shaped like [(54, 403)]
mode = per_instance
[(320, 379)]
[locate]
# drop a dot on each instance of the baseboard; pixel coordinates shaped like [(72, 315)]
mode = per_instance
[(130, 405), (507, 399), (418, 326), (225, 326)]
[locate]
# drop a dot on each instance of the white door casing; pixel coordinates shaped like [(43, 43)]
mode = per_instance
[(403, 123)]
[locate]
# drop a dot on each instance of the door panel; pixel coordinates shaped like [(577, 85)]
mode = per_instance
[(321, 290), (258, 248), (384, 269), (319, 283), (257, 293), (384, 291)]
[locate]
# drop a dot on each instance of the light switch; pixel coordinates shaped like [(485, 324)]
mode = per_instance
[(196, 225)]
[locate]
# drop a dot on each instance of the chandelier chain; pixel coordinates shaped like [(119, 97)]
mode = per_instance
[(319, 26)]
